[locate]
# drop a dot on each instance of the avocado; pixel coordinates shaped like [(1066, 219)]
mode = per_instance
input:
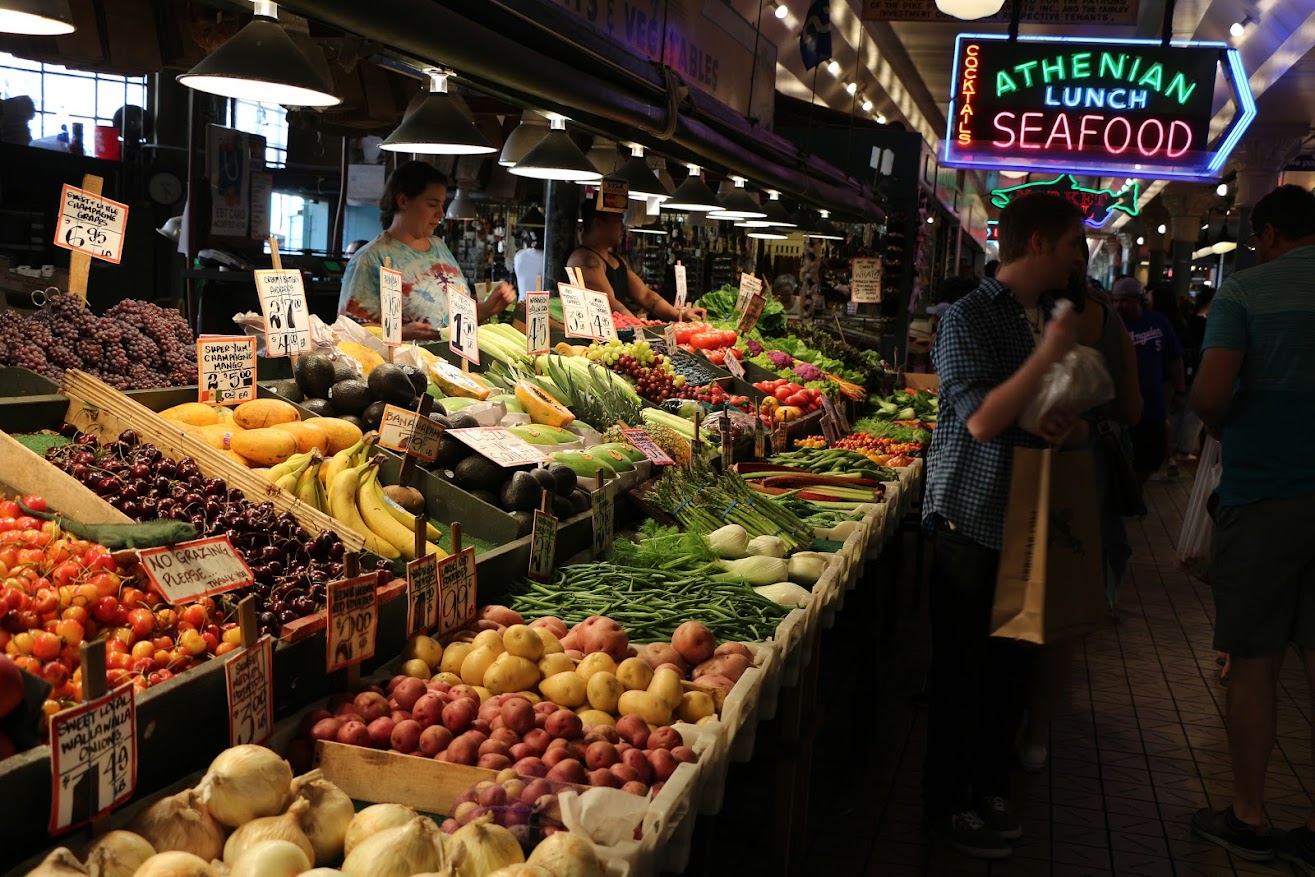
[(353, 420), (562, 508), (288, 390), (521, 493), (580, 500), (545, 479), (440, 418), (419, 380), (350, 396), (438, 408), (461, 420), (565, 478), (487, 496), (318, 407), (477, 473), (374, 414), (524, 523), (314, 373), (451, 451), (344, 369), (388, 383)]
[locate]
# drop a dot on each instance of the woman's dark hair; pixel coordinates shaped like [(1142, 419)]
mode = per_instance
[(410, 179)]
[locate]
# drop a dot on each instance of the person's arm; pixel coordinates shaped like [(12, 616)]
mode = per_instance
[(658, 308), (1221, 361), (498, 298), (1127, 405), (594, 271)]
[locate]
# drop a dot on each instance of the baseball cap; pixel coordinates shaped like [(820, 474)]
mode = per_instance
[(1128, 287)]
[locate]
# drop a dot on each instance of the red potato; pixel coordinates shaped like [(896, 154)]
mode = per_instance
[(434, 740), (730, 666), (534, 790), (565, 724), (635, 788), (428, 710), (392, 683), (462, 751), (603, 777), (598, 633), (467, 692), (497, 723), (479, 738), (636, 760), (326, 729), (339, 699), (346, 709), (311, 719), (505, 735), (491, 796), (558, 743), (734, 649), (458, 715), (573, 653), (501, 615), (551, 623), (715, 681), (482, 726), (440, 687), (493, 761), (517, 714), (372, 705), (406, 736), (554, 757), (495, 747), (684, 754), (569, 771), (578, 749), (354, 733), (400, 715), (531, 767), (546, 708), (537, 739), (665, 738), (608, 734), (381, 732), (517, 751), (601, 754), (634, 730), (656, 789), (664, 763), (694, 641), (483, 624), (624, 773), (571, 643), (623, 747), (393, 704)]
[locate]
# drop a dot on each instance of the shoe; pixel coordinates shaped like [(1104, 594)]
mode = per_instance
[(1000, 816), (1242, 840), (969, 835), (1297, 847), (1032, 757)]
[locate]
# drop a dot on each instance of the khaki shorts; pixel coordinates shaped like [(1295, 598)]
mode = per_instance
[(1262, 573)]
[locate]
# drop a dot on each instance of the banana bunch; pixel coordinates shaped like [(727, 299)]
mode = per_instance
[(289, 474)]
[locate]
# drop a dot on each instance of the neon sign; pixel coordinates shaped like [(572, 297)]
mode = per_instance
[(1097, 205), (1128, 108)]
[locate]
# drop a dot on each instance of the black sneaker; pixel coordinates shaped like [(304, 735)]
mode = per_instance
[(969, 835), (1298, 847), (1242, 840), (1000, 817)]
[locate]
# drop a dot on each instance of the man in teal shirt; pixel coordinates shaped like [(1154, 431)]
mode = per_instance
[(1255, 389)]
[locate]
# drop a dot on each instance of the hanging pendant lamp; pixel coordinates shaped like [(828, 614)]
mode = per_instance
[(643, 183), (533, 127), (693, 195), (261, 63), (532, 218), (766, 234), (659, 166), (969, 10), (777, 215), (738, 204), (462, 208), (440, 124), (556, 157), (602, 155), (825, 230), (46, 18)]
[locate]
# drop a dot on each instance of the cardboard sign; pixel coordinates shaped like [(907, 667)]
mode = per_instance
[(390, 305), (604, 518), (407, 432), (353, 607), (830, 431), (727, 445), (537, 323), (733, 365), (421, 594), (543, 546), (93, 759), (749, 287), (458, 586), (865, 281), (851, 308), (189, 571), (759, 440), (682, 286), (575, 312), (91, 224), (226, 369), (669, 339), (644, 443), (287, 320), (753, 309), (463, 327), (250, 677), (499, 445), (613, 196), (601, 320), (837, 416)]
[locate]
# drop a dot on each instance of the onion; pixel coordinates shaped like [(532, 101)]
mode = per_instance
[(271, 858), (524, 870), (480, 847), (118, 854), (180, 823), (374, 819), (286, 828), (414, 848), (322, 872), (567, 855), (331, 811), (175, 864), (245, 783), (60, 863)]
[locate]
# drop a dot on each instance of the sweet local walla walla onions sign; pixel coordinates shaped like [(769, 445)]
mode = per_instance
[(1132, 108)]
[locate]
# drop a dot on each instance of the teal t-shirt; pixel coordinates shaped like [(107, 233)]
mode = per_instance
[(427, 278), (1268, 313)]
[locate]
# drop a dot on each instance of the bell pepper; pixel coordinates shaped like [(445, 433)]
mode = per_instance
[(787, 413)]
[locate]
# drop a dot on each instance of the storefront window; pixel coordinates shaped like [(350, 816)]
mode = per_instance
[(62, 96), (269, 121)]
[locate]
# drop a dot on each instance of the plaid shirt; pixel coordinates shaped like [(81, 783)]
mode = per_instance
[(981, 341)]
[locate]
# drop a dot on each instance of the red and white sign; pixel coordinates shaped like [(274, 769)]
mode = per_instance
[(91, 224), (353, 607), (189, 571), (93, 759), (226, 369), (250, 677), (644, 443)]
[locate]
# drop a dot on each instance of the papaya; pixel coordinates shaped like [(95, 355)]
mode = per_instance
[(262, 413), (362, 354), (308, 435), (341, 434), (541, 407), (583, 463), (217, 435), (264, 447), (452, 381), (192, 413)]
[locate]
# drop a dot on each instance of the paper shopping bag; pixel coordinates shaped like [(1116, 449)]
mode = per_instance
[(1051, 581)]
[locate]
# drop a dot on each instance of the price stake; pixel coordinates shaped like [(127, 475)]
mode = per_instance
[(499, 445), (727, 444), (601, 320), (644, 443), (390, 305), (226, 369), (749, 287), (537, 323), (669, 339), (458, 587), (249, 674), (753, 309), (188, 571), (411, 433), (422, 594), (463, 327), (829, 430), (575, 312), (604, 515), (93, 758), (543, 542), (838, 418), (865, 281), (733, 365), (682, 286), (287, 320), (353, 627), (759, 435), (91, 224)]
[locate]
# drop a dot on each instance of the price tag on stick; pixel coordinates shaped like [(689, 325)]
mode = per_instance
[(189, 571), (682, 286), (575, 312), (604, 516), (226, 369), (463, 327), (749, 287), (90, 224), (410, 432), (649, 448), (669, 339), (458, 586), (248, 673), (287, 320), (601, 321), (543, 542), (727, 445), (733, 365), (759, 436), (499, 445), (537, 323), (390, 305), (422, 594), (353, 621)]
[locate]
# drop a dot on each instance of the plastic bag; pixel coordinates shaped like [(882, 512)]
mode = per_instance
[(1194, 539), (1077, 383)]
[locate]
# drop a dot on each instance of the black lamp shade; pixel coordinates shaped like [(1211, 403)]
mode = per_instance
[(643, 182), (439, 125), (523, 138), (738, 204), (556, 157), (693, 196), (261, 63), (36, 17), (532, 218)]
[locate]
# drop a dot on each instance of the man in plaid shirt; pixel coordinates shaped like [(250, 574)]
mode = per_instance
[(992, 349)]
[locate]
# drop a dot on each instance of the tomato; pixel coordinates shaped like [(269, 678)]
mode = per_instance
[(729, 337), (707, 340), (716, 357), (799, 400), (783, 393)]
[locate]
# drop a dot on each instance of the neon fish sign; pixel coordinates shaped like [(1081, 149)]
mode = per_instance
[(1097, 205)]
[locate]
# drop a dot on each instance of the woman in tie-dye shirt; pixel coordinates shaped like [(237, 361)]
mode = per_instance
[(409, 211)]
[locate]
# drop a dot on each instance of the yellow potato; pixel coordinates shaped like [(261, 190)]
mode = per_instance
[(551, 644), (416, 667), (491, 639), (510, 673), (476, 664), (551, 665), (635, 674), (666, 686), (449, 678), (484, 693), (426, 648), (565, 689), (695, 705), (604, 690), (530, 696), (649, 707), (523, 642), (453, 655), (595, 662), (591, 717)]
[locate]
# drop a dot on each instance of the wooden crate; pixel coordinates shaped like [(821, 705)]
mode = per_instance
[(26, 473)]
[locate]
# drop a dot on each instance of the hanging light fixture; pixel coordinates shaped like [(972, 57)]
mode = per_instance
[(825, 230), (46, 18), (851, 88), (833, 67), (968, 10), (738, 204), (438, 124), (643, 183), (867, 104), (462, 208), (602, 155), (780, 10), (556, 157), (777, 215), (533, 127), (659, 166), (260, 63), (766, 234), (640, 221), (693, 195), (532, 218)]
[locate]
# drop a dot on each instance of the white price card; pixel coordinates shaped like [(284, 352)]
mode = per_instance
[(463, 327), (189, 571), (543, 546), (287, 320), (749, 287), (865, 281), (91, 224), (851, 308), (93, 759), (575, 312), (390, 305), (537, 323), (226, 369), (458, 586), (646, 446), (733, 365), (682, 286), (669, 339), (499, 445), (601, 320), (250, 677), (408, 432), (421, 594), (353, 607), (604, 517)]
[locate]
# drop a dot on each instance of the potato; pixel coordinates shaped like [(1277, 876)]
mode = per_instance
[(342, 435), (434, 740), (445, 678), (476, 664), (592, 718), (490, 638), (551, 665), (595, 662), (564, 725), (532, 697), (453, 656), (657, 654), (665, 738), (406, 736), (635, 674), (694, 641), (500, 615), (417, 668), (409, 690), (192, 414), (523, 642), (517, 716), (551, 644), (458, 715), (566, 689), (730, 666), (733, 649), (694, 705), (309, 436), (552, 623), (648, 706), (666, 686), (428, 710), (510, 673), (426, 648), (264, 447), (482, 693), (604, 690)]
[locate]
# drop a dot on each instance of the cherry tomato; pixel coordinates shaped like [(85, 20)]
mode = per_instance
[(35, 503)]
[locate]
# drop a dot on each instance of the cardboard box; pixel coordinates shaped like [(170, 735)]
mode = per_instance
[(920, 381)]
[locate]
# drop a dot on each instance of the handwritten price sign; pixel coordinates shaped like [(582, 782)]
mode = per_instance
[(91, 224), (189, 571), (682, 286), (409, 433), (250, 677), (458, 586), (537, 323), (865, 281), (463, 327), (93, 759), (752, 310), (353, 621), (499, 445), (575, 312), (287, 320), (543, 546), (604, 519), (749, 287), (601, 320), (390, 305), (646, 446), (421, 594), (226, 369)]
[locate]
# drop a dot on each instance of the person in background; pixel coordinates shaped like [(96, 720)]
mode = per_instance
[(409, 211), (993, 349), (1159, 359), (1164, 302), (785, 288), (529, 263), (1256, 388), (353, 248)]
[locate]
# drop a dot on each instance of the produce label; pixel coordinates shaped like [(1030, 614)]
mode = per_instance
[(390, 305), (407, 432), (499, 445), (851, 308), (543, 546), (421, 594), (458, 585), (353, 621), (759, 440), (287, 320), (749, 287), (752, 310), (226, 369), (575, 312), (865, 281), (463, 327), (250, 677), (734, 366), (646, 446), (682, 286), (93, 759), (727, 445), (829, 430), (189, 571), (604, 515), (601, 320), (537, 323), (91, 224)]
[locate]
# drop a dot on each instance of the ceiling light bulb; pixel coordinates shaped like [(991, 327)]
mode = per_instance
[(780, 11), (851, 87), (930, 220), (1236, 29), (1141, 241), (881, 119), (1162, 229), (36, 17), (1222, 190), (833, 67), (867, 105), (969, 9)]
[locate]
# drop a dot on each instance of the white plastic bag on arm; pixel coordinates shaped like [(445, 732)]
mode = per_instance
[(1077, 383), (1194, 538)]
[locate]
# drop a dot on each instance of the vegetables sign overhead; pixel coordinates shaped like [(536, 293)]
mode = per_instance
[(1107, 107)]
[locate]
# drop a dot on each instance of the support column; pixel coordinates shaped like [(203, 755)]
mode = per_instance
[(1157, 242), (1260, 159), (1186, 203), (561, 210)]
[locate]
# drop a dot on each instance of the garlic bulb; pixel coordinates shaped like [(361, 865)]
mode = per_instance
[(480, 847), (285, 827), (271, 858), (374, 819), (331, 811), (60, 863), (245, 783), (118, 854), (180, 823), (565, 854), (414, 848), (175, 864)]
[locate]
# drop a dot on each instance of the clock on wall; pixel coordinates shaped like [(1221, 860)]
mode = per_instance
[(165, 188)]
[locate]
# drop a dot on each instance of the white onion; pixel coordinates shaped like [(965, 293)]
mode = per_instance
[(271, 858), (414, 848), (180, 823), (118, 854), (245, 783), (286, 827), (523, 870), (322, 872), (567, 855), (175, 864), (59, 863), (480, 847), (331, 811), (374, 819)]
